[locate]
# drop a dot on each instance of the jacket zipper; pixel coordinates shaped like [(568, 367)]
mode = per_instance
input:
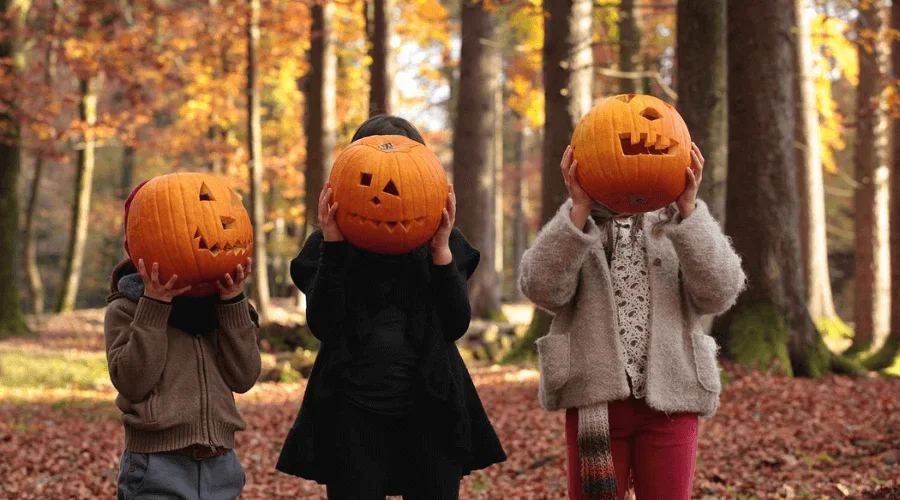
[(204, 397)]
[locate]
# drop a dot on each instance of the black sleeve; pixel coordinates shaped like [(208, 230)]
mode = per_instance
[(320, 273), (449, 290)]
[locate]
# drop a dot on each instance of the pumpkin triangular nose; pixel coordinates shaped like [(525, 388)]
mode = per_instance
[(376, 201)]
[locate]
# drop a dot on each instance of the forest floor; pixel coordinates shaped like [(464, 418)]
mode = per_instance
[(773, 437)]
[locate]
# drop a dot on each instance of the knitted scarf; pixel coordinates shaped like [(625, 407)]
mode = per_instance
[(598, 476)]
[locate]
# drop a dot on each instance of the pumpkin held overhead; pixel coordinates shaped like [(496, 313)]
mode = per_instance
[(632, 152), (192, 224), (391, 192)]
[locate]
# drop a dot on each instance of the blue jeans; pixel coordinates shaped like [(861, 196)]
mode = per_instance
[(152, 476)]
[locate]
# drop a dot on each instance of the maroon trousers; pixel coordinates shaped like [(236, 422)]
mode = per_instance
[(660, 450)]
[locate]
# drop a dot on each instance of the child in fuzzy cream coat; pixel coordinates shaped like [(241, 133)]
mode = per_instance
[(626, 355)]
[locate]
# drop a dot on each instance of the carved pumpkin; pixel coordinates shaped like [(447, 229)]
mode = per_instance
[(391, 192), (633, 152), (194, 225)]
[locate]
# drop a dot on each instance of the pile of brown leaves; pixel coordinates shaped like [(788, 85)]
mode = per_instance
[(772, 438)]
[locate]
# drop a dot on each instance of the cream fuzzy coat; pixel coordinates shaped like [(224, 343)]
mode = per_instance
[(694, 271)]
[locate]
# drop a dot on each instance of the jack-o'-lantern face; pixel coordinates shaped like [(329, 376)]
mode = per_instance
[(633, 152), (194, 225), (391, 192)]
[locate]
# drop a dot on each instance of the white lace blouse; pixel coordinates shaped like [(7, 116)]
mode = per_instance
[(631, 285)]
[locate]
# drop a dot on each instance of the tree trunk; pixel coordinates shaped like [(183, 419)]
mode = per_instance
[(472, 152), (770, 322), (87, 112), (378, 28), (254, 138), (811, 183), (320, 106), (520, 225), (35, 286), (567, 96), (497, 107), (12, 322), (870, 197), (702, 97), (126, 182), (888, 353), (629, 47)]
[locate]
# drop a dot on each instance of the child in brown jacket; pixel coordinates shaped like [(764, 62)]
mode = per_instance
[(176, 361)]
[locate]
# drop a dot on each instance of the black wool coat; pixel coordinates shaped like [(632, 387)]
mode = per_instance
[(331, 274)]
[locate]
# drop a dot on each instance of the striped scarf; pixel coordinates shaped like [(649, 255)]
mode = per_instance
[(598, 476)]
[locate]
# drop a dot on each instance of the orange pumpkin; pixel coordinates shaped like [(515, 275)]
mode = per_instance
[(391, 192), (633, 152), (194, 225)]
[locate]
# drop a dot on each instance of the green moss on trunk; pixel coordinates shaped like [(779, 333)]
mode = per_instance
[(757, 338), (834, 328), (817, 362), (524, 350), (886, 356)]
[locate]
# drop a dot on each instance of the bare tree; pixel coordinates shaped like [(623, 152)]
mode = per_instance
[(630, 47), (254, 138), (381, 70), (87, 113), (472, 152), (872, 298)]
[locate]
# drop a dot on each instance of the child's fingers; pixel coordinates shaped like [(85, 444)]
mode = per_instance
[(691, 178), (228, 281), (332, 211), (181, 291), (240, 273), (171, 283), (154, 273), (221, 287), (142, 269), (249, 267)]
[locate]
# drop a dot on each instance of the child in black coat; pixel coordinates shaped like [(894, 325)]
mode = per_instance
[(390, 408)]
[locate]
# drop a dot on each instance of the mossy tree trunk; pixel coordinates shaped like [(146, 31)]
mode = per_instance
[(87, 112), (770, 322), (12, 322), (568, 91), (888, 353), (870, 197), (473, 151), (29, 236), (702, 98)]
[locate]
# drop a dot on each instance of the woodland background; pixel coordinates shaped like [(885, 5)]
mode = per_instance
[(793, 103)]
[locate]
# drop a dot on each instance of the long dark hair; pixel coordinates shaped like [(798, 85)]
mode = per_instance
[(387, 125)]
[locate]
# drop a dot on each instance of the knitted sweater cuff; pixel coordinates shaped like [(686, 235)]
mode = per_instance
[(152, 313), (235, 316)]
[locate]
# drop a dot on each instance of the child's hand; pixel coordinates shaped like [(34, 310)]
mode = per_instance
[(327, 212), (687, 202), (568, 166), (153, 289), (228, 288), (440, 242)]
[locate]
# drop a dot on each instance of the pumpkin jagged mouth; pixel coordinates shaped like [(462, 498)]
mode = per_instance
[(662, 145), (390, 225), (236, 248)]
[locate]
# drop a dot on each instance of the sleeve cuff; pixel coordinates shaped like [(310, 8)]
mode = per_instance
[(152, 313), (700, 221), (563, 227), (441, 272), (235, 316), (233, 300), (334, 251)]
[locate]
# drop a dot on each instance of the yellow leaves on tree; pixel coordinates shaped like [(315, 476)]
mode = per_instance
[(836, 58)]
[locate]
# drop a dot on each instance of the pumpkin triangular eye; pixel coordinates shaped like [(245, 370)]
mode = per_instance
[(391, 188), (365, 179), (206, 193), (235, 198), (651, 114)]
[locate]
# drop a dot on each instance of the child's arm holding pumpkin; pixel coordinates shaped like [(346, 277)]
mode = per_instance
[(452, 259), (320, 273), (137, 342), (550, 268), (239, 359)]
